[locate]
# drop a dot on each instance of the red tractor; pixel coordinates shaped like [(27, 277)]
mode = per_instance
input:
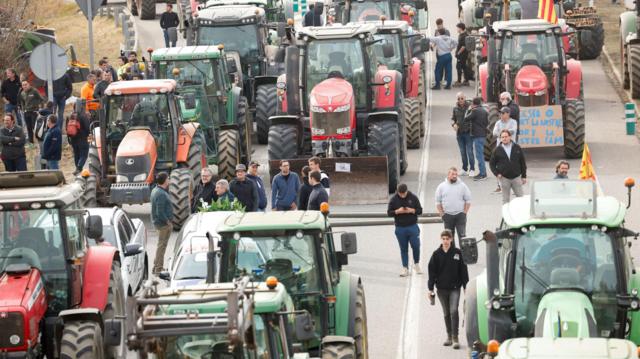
[(342, 103), (60, 297), (527, 59)]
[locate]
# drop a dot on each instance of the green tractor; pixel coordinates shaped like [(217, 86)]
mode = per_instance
[(298, 248), (559, 267), (207, 96)]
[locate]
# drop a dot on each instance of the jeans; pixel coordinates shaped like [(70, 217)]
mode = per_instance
[(53, 165), (80, 153), (167, 40), (443, 63), (466, 151), (59, 102), (30, 119), (14, 108), (409, 235), (507, 185), (456, 223), (164, 233), (478, 145), (450, 300), (462, 67), (18, 164)]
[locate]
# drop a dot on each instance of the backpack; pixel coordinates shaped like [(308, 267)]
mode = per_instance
[(40, 128), (73, 127)]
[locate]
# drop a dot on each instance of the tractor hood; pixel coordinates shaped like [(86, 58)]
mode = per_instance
[(565, 313), (21, 287), (530, 79), (136, 157), (568, 348), (331, 94)]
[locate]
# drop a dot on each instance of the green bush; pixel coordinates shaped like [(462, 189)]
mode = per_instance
[(221, 205)]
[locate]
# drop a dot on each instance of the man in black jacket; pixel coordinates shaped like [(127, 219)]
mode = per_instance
[(448, 273), (463, 134), (462, 57), (169, 20), (9, 91), (509, 166), (205, 190), (62, 89), (305, 189), (13, 139), (318, 193), (244, 189), (405, 208), (479, 120)]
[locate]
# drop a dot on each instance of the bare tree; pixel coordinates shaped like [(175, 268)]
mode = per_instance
[(14, 33)]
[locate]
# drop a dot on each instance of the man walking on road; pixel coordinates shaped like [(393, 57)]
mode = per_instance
[(284, 189), (505, 123), (444, 45), (479, 120), (508, 164), (318, 193), (244, 189), (453, 200), (161, 214), (169, 22), (463, 134), (448, 273), (314, 165), (253, 175), (562, 170), (462, 57), (405, 208)]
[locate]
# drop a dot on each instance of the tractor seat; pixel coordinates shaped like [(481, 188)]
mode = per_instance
[(33, 238), (565, 277), (23, 256)]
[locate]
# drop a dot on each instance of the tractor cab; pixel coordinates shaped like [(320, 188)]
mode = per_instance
[(559, 266), (414, 12)]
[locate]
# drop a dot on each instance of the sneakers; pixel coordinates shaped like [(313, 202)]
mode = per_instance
[(404, 272), (448, 87), (448, 342), (497, 190), (417, 269), (456, 345), (472, 173), (480, 177), (463, 173), (435, 88)]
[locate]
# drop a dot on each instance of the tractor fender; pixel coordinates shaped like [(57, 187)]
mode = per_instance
[(386, 96), (263, 80), (627, 25), (481, 309), (97, 268), (574, 79), (634, 327), (414, 78), (281, 86), (483, 73), (185, 137), (89, 314), (345, 303), (382, 116)]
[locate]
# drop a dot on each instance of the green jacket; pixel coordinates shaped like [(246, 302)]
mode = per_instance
[(161, 210), (30, 100)]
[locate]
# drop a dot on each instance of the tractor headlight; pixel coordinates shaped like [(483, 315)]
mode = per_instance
[(14, 339), (540, 93), (121, 178), (495, 304), (634, 304), (318, 109), (386, 79), (141, 177), (342, 108), (344, 130)]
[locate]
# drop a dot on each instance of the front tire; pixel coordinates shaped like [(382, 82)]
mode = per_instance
[(591, 42), (471, 314), (196, 158), (338, 351), (89, 197), (266, 105), (116, 307), (148, 10), (360, 325), (633, 55), (283, 142), (82, 339), (384, 140), (180, 191), (574, 129), (245, 130), (228, 153), (412, 118)]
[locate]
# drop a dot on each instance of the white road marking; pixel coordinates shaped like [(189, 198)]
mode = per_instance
[(410, 325)]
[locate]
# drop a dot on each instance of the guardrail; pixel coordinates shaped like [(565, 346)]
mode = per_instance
[(122, 18)]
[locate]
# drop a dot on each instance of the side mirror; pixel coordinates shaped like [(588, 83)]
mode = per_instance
[(231, 66), (132, 249), (470, 43), (349, 243), (189, 100), (421, 4), (112, 332), (469, 248), (94, 227), (282, 30), (280, 55), (387, 50), (164, 276), (305, 328)]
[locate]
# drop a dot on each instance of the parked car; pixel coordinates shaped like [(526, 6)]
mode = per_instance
[(129, 235)]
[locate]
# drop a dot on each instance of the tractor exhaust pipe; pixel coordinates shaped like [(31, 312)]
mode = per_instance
[(292, 68)]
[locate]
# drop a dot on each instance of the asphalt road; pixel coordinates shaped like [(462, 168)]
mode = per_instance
[(401, 323)]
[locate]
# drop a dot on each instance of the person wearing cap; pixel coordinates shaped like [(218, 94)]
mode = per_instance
[(505, 123), (253, 175), (244, 189)]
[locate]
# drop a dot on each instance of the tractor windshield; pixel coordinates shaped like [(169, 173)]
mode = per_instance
[(241, 38), (539, 49), (337, 57), (368, 10), (188, 72), (392, 63), (574, 258)]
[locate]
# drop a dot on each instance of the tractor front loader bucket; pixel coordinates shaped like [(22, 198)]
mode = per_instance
[(354, 180)]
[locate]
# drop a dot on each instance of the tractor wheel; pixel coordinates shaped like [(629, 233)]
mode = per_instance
[(228, 153), (624, 64), (283, 142), (180, 191), (412, 122), (471, 314), (422, 95), (266, 104), (133, 7), (89, 197), (574, 128), (93, 162), (339, 351), (148, 10), (634, 69), (246, 128), (490, 143), (591, 42), (360, 325), (116, 307), (384, 140), (197, 156), (82, 339)]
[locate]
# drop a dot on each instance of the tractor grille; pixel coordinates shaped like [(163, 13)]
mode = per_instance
[(132, 166), (330, 123), (532, 100), (11, 323)]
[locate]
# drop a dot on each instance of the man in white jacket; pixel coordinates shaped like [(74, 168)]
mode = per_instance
[(443, 45)]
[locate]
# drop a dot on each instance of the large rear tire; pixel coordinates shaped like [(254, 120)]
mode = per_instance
[(574, 129), (422, 95), (591, 42), (360, 324), (180, 191), (116, 307), (196, 158), (339, 351), (634, 69), (412, 121), (82, 339), (266, 104), (133, 7), (283, 142), (384, 140), (490, 143), (228, 153), (245, 130), (471, 314), (89, 196), (148, 10)]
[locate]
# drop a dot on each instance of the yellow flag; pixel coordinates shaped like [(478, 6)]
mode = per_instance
[(586, 167)]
